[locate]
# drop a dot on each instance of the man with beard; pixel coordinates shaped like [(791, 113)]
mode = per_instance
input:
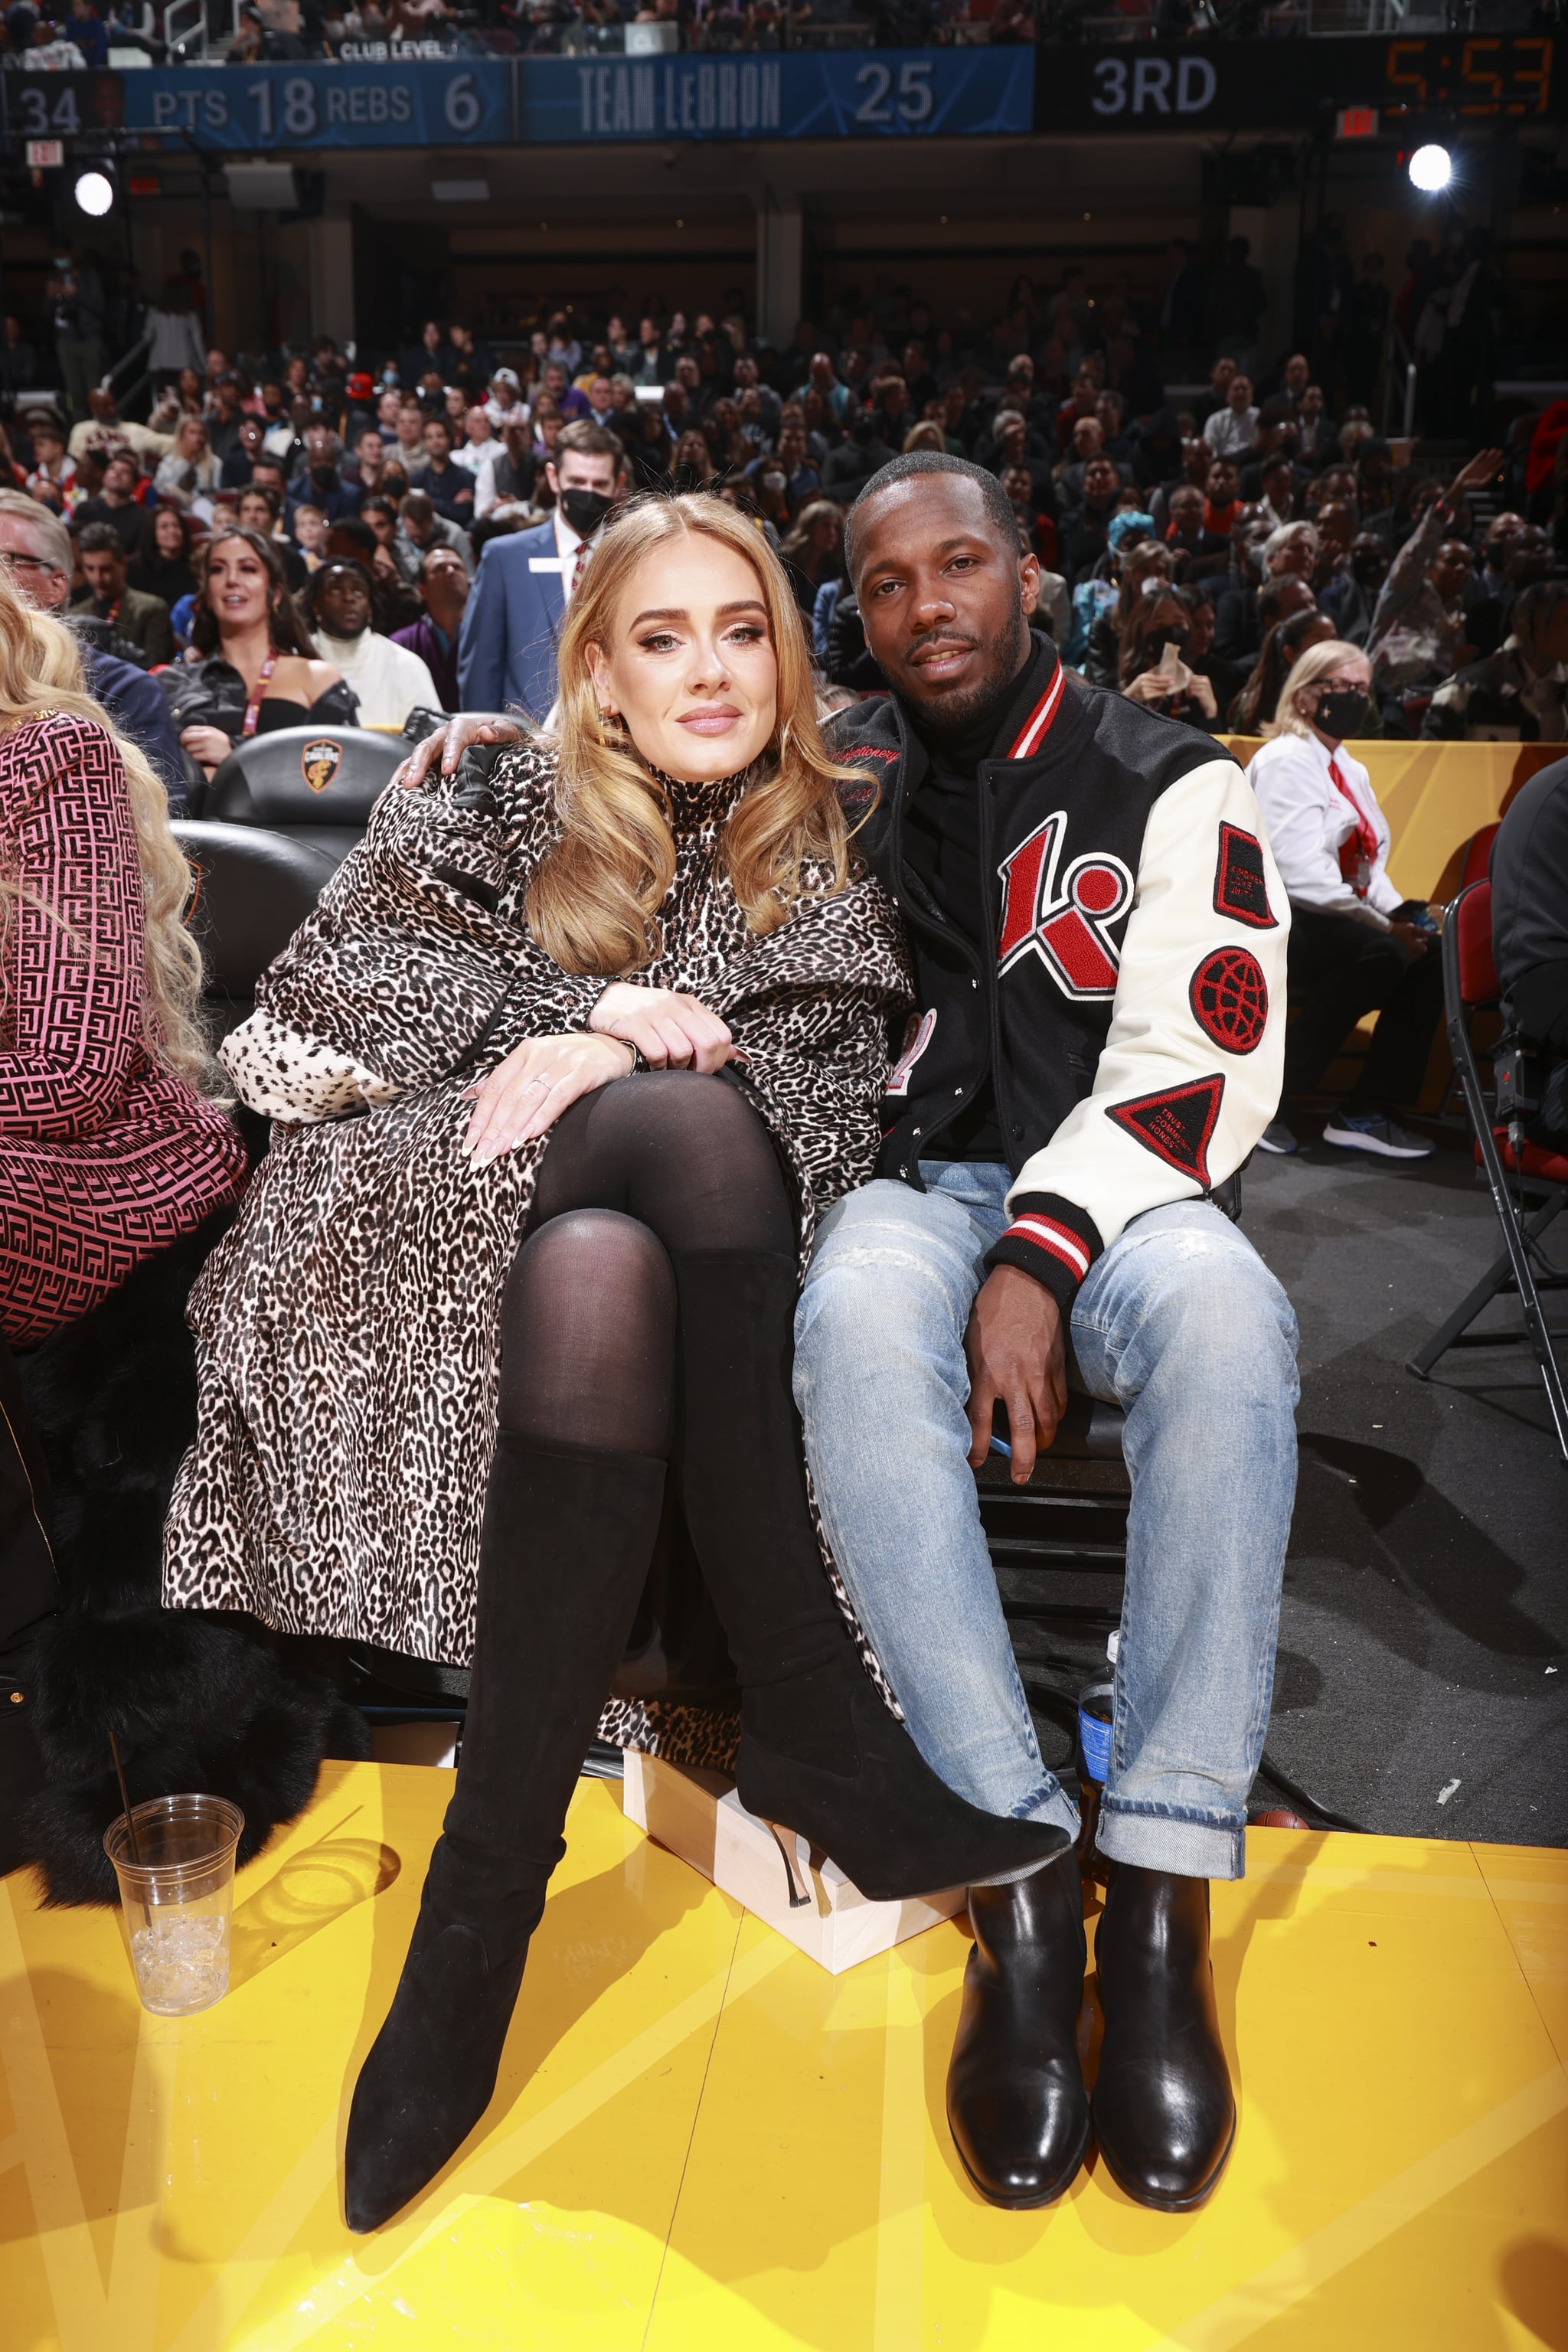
[(1099, 934)]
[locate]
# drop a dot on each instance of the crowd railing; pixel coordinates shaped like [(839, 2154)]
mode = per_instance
[(204, 32)]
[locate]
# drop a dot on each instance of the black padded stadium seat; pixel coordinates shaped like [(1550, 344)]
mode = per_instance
[(1069, 1520), (317, 785), (253, 890)]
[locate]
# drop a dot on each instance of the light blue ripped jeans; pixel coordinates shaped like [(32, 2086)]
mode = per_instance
[(1180, 1323)]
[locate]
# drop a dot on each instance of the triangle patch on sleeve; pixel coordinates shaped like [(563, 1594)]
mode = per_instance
[(1240, 884), (1175, 1125)]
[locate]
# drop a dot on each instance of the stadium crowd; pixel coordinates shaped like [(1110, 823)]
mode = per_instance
[(1190, 549), (278, 32)]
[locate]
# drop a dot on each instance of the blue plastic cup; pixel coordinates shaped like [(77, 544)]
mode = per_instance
[(1094, 1729)]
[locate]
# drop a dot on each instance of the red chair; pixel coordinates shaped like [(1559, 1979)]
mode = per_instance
[(1541, 1176), (1476, 863)]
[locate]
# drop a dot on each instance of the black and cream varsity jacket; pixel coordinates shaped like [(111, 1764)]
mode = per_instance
[(1130, 1013)]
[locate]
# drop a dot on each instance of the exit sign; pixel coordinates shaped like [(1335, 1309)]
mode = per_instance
[(1356, 122), (45, 154)]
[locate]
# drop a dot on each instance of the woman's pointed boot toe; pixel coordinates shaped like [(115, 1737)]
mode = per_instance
[(822, 1754), (430, 2074)]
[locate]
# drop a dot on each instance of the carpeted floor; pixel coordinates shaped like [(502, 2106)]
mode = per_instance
[(1421, 1686)]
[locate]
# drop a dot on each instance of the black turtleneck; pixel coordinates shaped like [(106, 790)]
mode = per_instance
[(941, 847)]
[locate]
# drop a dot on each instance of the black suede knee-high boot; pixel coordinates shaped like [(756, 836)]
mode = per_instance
[(568, 1534), (819, 1750)]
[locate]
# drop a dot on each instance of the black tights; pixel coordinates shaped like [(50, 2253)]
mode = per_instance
[(664, 1161), (650, 1311)]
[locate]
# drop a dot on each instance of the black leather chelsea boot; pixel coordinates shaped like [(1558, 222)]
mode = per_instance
[(1016, 2101), (1163, 2111)]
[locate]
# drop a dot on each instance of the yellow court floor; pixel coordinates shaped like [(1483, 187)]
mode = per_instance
[(702, 2143)]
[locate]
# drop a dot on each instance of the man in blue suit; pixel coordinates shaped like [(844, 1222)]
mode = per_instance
[(513, 621)]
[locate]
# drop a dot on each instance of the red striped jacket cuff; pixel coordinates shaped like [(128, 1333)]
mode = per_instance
[(1051, 1239)]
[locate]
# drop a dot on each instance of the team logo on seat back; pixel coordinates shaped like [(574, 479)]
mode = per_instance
[(1067, 928), (320, 761)]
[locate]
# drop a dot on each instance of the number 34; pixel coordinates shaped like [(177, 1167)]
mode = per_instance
[(915, 100)]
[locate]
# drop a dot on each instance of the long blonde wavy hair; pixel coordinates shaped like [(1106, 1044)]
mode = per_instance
[(593, 903), (40, 671)]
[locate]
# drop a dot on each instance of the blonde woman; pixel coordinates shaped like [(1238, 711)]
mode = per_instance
[(618, 1014), (108, 1151), (1356, 942), (190, 471)]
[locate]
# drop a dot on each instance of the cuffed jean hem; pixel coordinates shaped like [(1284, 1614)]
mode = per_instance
[(1150, 1839), (1056, 1806)]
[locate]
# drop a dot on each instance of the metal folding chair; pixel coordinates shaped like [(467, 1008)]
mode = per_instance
[(1538, 1193)]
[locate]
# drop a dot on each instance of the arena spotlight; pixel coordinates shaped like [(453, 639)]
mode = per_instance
[(94, 194), (1431, 169)]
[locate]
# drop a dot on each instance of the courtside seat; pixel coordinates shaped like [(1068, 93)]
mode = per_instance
[(317, 785), (1069, 1520), (252, 890)]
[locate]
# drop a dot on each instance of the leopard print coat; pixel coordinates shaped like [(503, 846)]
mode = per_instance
[(346, 1327)]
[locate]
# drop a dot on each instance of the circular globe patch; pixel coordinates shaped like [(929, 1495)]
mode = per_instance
[(1229, 997)]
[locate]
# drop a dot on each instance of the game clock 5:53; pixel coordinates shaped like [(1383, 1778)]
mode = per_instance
[(1504, 73)]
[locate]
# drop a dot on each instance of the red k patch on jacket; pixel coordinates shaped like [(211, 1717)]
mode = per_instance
[(1175, 1126), (1240, 884), (1067, 928)]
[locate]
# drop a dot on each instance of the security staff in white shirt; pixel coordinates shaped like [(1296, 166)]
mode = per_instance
[(1355, 943)]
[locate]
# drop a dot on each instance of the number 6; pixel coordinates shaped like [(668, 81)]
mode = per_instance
[(462, 107)]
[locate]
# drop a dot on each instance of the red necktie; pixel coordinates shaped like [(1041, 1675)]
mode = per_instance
[(1358, 850), (578, 565)]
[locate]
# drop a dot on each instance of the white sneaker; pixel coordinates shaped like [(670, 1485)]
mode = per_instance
[(1276, 1137), (1370, 1131)]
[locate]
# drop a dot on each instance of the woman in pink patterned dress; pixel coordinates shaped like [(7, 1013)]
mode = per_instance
[(108, 1151)]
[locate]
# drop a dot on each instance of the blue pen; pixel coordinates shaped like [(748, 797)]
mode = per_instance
[(999, 1445)]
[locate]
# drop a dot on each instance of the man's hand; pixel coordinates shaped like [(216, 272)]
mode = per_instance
[(671, 1030), (448, 744), (526, 1094), (1017, 1357), (1482, 469), (1415, 941)]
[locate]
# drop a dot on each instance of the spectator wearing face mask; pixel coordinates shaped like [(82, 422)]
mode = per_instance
[(1355, 943), (506, 659), (390, 679)]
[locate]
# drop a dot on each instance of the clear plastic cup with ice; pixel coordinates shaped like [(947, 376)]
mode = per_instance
[(176, 1893)]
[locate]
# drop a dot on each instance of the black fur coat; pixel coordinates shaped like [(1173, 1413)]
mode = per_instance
[(195, 1703)]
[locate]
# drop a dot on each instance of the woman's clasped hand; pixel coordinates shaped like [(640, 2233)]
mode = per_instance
[(526, 1094)]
